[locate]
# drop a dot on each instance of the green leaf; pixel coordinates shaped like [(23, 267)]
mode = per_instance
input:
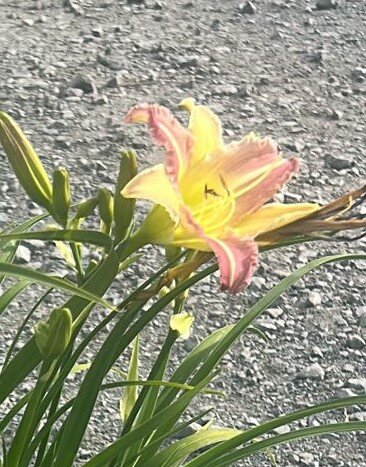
[(117, 341), (8, 296), (295, 435), (130, 393), (56, 282), (71, 236), (175, 454), (134, 436), (124, 207)]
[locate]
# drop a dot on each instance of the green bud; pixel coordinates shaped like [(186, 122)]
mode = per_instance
[(61, 196), (52, 336), (86, 208), (124, 207), (105, 206), (25, 162)]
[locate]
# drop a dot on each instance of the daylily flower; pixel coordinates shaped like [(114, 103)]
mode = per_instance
[(210, 196)]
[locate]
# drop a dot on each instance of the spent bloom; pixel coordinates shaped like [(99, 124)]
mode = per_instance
[(210, 196)]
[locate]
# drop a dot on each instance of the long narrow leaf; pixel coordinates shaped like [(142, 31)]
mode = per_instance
[(8, 296), (71, 236), (130, 393), (175, 454), (61, 284), (224, 344), (113, 346), (259, 446), (135, 435), (204, 459)]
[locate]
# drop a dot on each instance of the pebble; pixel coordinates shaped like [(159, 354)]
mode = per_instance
[(74, 7), (306, 458), (362, 320), (116, 82), (85, 83), (314, 298), (247, 8), (339, 162), (23, 254), (314, 371), (355, 342), (326, 5), (225, 89), (359, 384)]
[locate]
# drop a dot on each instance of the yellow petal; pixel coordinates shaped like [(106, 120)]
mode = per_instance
[(182, 323), (205, 127), (153, 184), (272, 216)]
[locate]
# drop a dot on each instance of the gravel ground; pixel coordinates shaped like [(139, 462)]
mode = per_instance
[(292, 69)]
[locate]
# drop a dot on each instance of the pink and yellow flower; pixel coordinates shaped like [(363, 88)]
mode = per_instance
[(210, 196)]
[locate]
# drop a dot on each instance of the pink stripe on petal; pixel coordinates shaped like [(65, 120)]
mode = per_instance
[(266, 189), (238, 259), (168, 132)]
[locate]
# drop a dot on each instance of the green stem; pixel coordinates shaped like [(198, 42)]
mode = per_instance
[(26, 426), (79, 267), (29, 356)]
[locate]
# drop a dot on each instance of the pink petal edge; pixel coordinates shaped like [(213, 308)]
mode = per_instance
[(265, 190), (238, 260), (168, 132)]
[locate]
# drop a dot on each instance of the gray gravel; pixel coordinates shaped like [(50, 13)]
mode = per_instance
[(293, 69)]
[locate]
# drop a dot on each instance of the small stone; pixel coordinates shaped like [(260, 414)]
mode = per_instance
[(326, 5), (97, 32), (314, 298), (359, 74), (100, 100), (362, 320), (116, 82), (225, 90), (314, 371), (187, 61), (306, 458), (336, 115), (316, 352), (346, 392), (28, 22), (23, 254), (339, 162), (247, 8), (355, 342), (74, 7), (275, 312), (359, 384), (281, 430), (85, 83)]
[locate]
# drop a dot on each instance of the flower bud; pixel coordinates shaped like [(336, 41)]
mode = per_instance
[(105, 206), (61, 197), (124, 207), (25, 162), (52, 336), (86, 208)]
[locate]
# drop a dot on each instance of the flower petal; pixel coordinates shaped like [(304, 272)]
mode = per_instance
[(272, 216), (237, 258), (205, 127), (247, 159), (263, 191), (154, 185), (168, 132)]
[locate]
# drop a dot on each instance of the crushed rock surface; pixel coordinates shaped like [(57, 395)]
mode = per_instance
[(291, 69)]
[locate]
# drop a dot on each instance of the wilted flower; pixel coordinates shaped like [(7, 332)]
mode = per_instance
[(211, 196)]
